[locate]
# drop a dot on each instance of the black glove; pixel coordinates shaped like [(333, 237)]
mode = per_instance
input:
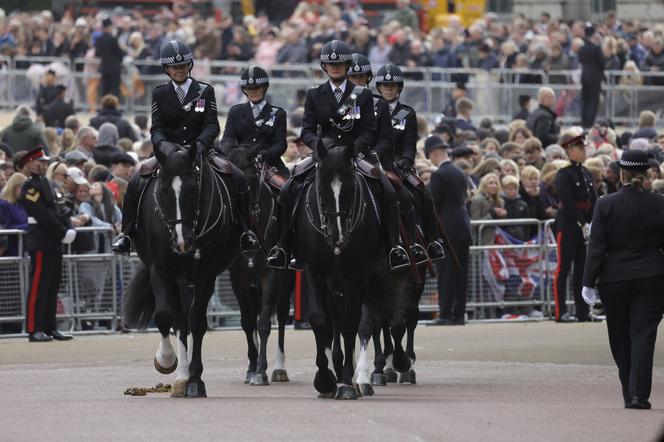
[(201, 147), (263, 157), (405, 164), (167, 147)]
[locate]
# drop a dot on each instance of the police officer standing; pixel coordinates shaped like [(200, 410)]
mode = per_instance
[(577, 195), (47, 231), (592, 75), (257, 122), (326, 110), (626, 264), (389, 82), (184, 112)]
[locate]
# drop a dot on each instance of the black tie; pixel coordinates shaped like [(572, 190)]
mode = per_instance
[(180, 92), (338, 93), (256, 110)]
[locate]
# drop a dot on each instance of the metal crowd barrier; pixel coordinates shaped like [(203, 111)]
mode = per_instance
[(495, 92), (90, 295)]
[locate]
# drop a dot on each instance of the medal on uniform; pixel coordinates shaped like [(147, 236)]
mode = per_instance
[(200, 105), (270, 122), (187, 107), (356, 113)]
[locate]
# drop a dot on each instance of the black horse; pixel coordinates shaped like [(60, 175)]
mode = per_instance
[(186, 236), (340, 240), (258, 289)]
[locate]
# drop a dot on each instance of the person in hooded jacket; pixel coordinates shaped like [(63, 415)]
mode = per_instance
[(23, 133)]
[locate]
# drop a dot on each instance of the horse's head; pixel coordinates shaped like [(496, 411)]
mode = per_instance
[(336, 187), (177, 194), (244, 157)]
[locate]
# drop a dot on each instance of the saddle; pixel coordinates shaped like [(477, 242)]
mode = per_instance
[(367, 169), (274, 180), (218, 163), (303, 166)]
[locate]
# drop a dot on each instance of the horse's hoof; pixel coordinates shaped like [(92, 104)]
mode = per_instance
[(345, 392), (179, 388), (407, 377), (250, 376), (358, 392), (325, 381), (195, 389), (165, 370), (326, 395), (259, 379), (366, 390), (279, 375), (401, 362), (378, 379), (391, 375)]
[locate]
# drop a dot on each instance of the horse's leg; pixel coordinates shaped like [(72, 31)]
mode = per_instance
[(287, 283), (349, 321), (247, 299), (411, 323), (400, 360), (165, 360), (198, 326), (337, 353), (388, 351), (268, 302), (181, 302), (378, 377), (325, 381), (362, 369)]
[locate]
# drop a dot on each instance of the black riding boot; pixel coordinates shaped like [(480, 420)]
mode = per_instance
[(122, 243), (277, 258), (419, 254), (398, 257), (435, 248), (248, 240)]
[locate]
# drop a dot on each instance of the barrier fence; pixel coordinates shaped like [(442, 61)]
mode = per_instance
[(495, 92), (508, 277)]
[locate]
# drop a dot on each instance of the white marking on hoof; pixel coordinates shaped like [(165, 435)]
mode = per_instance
[(179, 388), (165, 354), (362, 369), (182, 372), (279, 360)]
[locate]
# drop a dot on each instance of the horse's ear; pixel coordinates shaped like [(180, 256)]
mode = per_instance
[(161, 156), (321, 150)]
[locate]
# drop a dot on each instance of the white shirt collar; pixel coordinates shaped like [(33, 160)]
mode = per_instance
[(342, 86), (184, 86), (393, 105)]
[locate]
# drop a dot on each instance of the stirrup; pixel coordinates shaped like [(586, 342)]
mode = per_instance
[(276, 258), (398, 258), (436, 251), (249, 242), (419, 254), (121, 245), (295, 264)]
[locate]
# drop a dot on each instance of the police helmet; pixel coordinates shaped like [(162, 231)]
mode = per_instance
[(254, 76), (390, 74), (176, 53), (359, 65), (335, 51)]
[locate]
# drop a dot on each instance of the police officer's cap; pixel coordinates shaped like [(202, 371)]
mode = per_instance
[(634, 160), (175, 53), (577, 141), (33, 154), (589, 30), (359, 64), (432, 143), (335, 51), (123, 158), (389, 73), (462, 151), (254, 76)]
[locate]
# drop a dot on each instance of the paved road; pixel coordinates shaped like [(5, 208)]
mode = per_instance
[(512, 382)]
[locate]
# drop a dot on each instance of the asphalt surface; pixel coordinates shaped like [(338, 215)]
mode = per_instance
[(511, 382)]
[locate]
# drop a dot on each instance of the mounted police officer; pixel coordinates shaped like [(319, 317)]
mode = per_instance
[(257, 122), (389, 82), (360, 73), (337, 111), (184, 112), (48, 229)]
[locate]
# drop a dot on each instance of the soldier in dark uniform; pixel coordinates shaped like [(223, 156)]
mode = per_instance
[(257, 122), (574, 185), (389, 82), (625, 263), (48, 229), (184, 112), (360, 74), (325, 107)]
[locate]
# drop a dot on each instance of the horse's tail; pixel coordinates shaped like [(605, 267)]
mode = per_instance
[(138, 300)]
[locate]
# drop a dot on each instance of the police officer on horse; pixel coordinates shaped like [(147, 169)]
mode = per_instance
[(390, 82), (338, 113), (184, 113)]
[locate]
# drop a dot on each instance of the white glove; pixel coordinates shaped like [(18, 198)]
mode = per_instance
[(69, 236), (586, 231), (589, 295)]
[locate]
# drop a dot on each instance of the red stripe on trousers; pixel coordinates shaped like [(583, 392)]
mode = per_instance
[(556, 275), (298, 296), (34, 290)]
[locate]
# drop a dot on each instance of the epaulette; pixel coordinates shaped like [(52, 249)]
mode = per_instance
[(162, 85)]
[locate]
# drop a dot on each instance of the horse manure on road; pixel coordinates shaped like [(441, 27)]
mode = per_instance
[(142, 391)]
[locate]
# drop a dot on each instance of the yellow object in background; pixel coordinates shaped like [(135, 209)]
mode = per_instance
[(467, 10)]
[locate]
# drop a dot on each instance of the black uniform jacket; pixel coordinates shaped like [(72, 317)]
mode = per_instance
[(46, 227), (592, 62), (384, 138), (320, 107), (195, 120), (404, 131), (448, 186), (626, 238), (574, 185), (267, 130)]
